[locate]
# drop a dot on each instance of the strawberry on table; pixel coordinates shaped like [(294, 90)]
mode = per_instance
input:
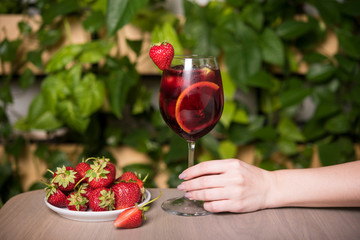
[(127, 194), (162, 54), (65, 178), (102, 199), (55, 196), (133, 217)]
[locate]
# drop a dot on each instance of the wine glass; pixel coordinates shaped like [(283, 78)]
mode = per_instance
[(191, 102)]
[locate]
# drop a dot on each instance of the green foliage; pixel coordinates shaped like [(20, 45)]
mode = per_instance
[(100, 98), (257, 41)]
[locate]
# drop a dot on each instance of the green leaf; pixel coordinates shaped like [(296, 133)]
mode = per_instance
[(49, 37), (242, 62), (338, 124), (289, 130), (63, 57), (293, 96), (329, 12), (177, 150), (35, 58), (272, 49), (89, 95), (5, 93), (8, 50), (138, 139), (39, 116), (320, 72), (336, 152), (252, 13), (60, 8), (95, 51), (5, 173), (94, 21), (292, 29), (27, 79), (287, 146), (54, 89), (261, 79), (349, 43), (69, 113), (325, 109), (24, 27), (227, 149), (118, 85), (120, 13), (228, 85), (135, 45), (166, 32), (228, 112), (240, 134), (266, 133), (241, 116)]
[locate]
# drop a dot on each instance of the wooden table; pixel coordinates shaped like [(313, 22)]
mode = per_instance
[(26, 216)]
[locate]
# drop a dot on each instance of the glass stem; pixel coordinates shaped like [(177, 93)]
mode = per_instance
[(191, 150)]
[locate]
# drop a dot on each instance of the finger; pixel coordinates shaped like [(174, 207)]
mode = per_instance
[(205, 182), (213, 194), (205, 168), (219, 206)]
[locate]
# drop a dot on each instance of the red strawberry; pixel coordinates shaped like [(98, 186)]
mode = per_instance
[(133, 177), (133, 217), (109, 166), (65, 178), (77, 202), (162, 54), (102, 199), (99, 175), (126, 194), (82, 168), (55, 196), (85, 190)]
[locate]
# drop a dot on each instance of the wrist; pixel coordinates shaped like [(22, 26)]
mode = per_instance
[(271, 190)]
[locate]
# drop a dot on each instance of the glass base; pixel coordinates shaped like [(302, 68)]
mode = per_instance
[(184, 207)]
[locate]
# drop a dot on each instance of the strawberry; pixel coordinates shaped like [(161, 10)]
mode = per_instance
[(109, 165), (77, 202), (126, 194), (133, 217), (100, 174), (133, 177), (55, 196), (81, 168), (162, 54), (85, 190), (65, 178), (102, 199)]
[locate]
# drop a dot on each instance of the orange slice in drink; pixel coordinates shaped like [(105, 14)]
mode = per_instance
[(190, 109)]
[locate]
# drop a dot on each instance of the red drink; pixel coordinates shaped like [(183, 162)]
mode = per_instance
[(191, 101)]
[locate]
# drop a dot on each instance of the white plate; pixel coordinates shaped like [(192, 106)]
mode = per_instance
[(90, 216)]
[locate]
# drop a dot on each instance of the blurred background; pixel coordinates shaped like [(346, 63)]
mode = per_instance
[(76, 82)]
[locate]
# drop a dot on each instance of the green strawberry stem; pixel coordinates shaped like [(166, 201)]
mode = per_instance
[(79, 182), (153, 200)]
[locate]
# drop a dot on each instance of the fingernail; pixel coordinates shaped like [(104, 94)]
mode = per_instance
[(182, 176), (188, 195), (180, 187)]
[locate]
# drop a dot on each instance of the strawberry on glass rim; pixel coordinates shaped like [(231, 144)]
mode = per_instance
[(162, 54)]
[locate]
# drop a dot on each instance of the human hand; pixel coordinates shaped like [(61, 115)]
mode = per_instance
[(227, 185)]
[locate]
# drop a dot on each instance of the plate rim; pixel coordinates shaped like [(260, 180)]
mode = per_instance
[(83, 215)]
